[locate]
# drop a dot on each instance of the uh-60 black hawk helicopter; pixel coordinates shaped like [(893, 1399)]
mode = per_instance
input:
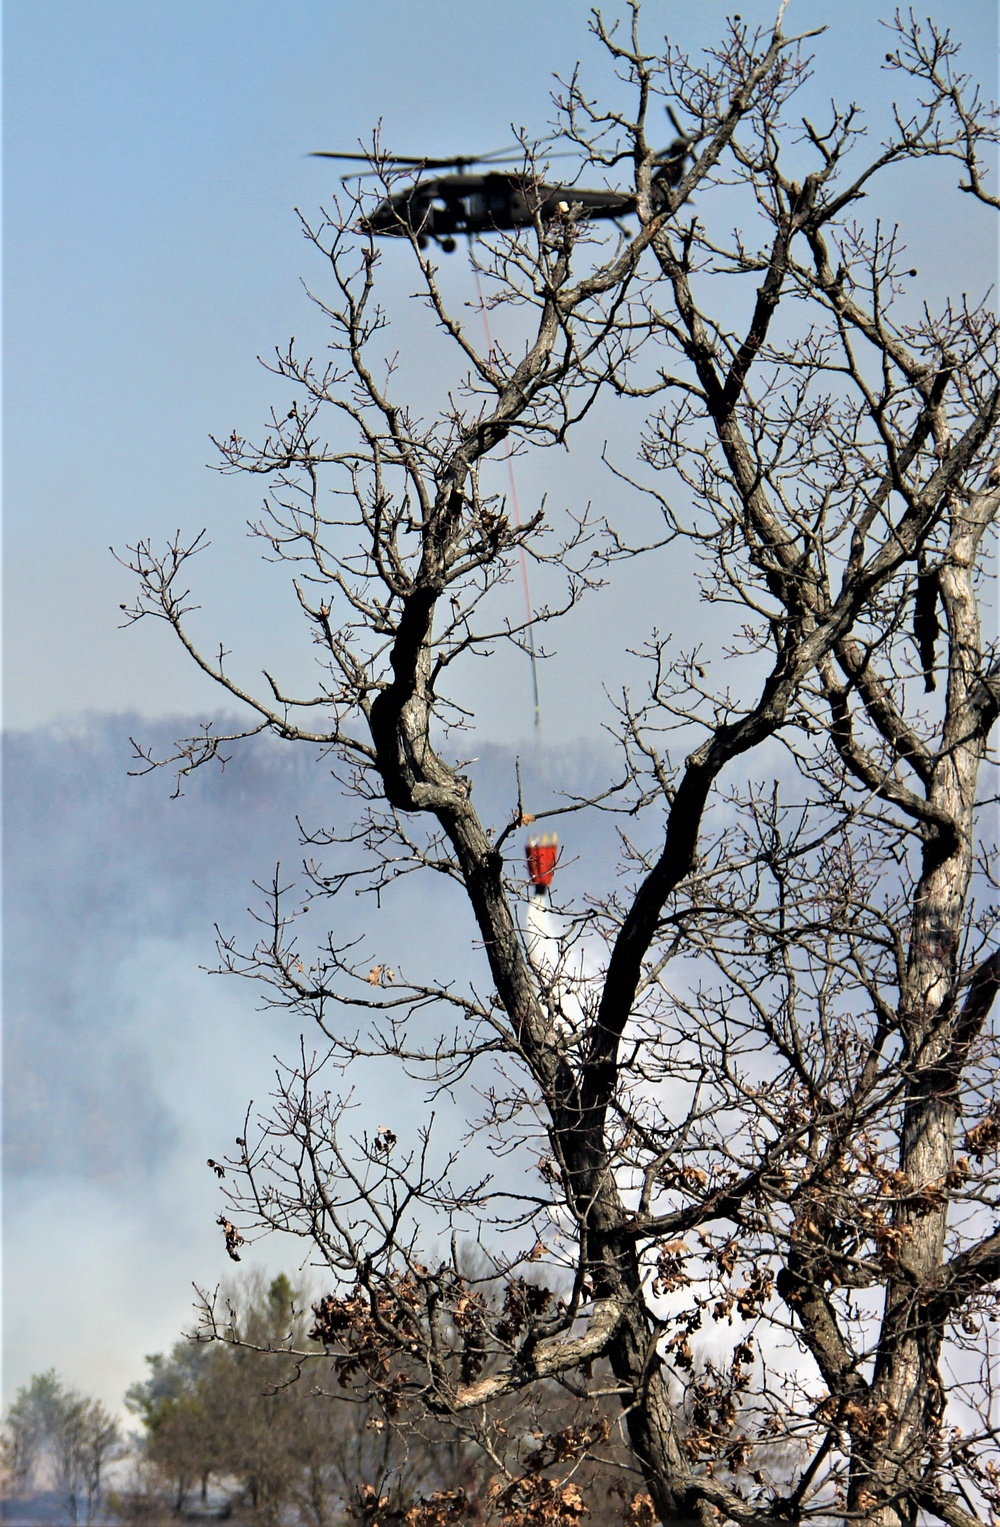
[(493, 201)]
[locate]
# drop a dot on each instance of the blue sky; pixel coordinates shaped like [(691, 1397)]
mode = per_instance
[(155, 151)]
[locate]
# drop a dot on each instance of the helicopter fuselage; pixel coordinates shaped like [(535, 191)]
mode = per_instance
[(447, 205)]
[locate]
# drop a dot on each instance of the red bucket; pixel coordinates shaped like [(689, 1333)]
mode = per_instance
[(542, 854)]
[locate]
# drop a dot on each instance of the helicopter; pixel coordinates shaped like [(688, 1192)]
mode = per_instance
[(491, 201)]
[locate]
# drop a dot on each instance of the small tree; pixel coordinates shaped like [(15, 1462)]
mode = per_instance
[(181, 1425), (755, 1077), (30, 1422)]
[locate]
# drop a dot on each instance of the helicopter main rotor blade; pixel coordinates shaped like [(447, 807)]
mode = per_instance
[(515, 151), (380, 158), (425, 162), (517, 155), (434, 162)]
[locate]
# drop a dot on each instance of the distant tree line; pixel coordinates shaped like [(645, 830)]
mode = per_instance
[(236, 1428), (232, 1429)]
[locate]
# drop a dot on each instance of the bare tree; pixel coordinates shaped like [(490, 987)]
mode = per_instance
[(754, 1079)]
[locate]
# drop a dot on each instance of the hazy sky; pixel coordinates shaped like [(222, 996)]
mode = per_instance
[(154, 153)]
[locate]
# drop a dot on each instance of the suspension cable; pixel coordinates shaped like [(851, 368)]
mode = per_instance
[(509, 458)]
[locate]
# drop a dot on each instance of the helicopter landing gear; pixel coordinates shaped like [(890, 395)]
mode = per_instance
[(448, 245)]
